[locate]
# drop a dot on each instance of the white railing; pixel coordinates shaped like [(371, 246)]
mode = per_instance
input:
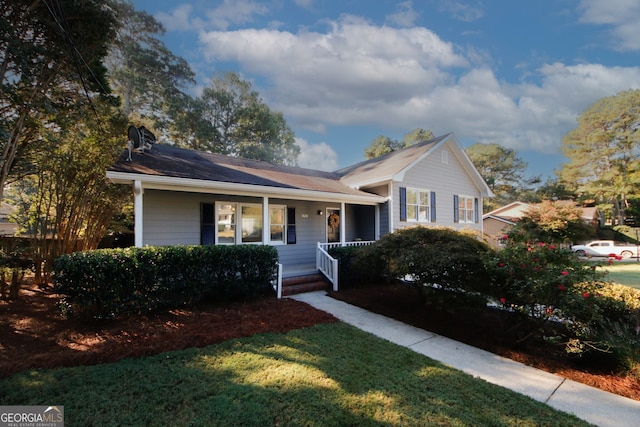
[(327, 264)]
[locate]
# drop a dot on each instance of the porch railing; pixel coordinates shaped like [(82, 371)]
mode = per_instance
[(327, 264)]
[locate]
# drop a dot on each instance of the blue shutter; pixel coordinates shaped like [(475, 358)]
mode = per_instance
[(403, 203), (433, 206), (456, 212)]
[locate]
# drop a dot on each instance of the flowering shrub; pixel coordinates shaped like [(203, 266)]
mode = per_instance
[(564, 297)]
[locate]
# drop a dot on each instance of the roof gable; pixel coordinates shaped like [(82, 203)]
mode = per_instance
[(393, 166)]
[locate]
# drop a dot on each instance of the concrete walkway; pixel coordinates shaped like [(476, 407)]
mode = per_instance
[(588, 403)]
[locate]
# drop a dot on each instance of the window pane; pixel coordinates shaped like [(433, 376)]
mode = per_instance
[(276, 215), (423, 213), (411, 212), (424, 199), (277, 233), (226, 223), (412, 197), (251, 224), (277, 223)]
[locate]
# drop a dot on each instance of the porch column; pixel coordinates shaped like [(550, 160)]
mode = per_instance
[(390, 207), (266, 232), (138, 192), (343, 213)]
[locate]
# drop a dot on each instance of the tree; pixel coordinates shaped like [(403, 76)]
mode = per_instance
[(67, 204), (230, 118), (604, 151), (142, 70), (382, 145), (46, 52), (502, 170), (552, 222)]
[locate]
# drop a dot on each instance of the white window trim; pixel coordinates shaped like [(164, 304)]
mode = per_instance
[(238, 222), (418, 205), (284, 226), (463, 218)]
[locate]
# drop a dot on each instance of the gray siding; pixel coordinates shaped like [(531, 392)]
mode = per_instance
[(446, 180), (173, 218)]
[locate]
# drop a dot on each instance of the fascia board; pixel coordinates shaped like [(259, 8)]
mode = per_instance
[(156, 182)]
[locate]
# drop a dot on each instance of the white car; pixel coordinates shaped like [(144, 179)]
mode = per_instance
[(606, 248)]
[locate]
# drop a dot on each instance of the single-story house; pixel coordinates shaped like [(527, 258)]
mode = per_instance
[(189, 197)]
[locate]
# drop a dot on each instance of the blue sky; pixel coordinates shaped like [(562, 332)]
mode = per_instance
[(516, 73)]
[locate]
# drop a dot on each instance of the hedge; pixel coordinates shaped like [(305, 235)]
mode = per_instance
[(110, 283)]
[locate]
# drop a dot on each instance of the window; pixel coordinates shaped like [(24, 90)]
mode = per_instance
[(251, 217), (277, 224), (227, 223), (465, 209), (226, 218), (417, 205)]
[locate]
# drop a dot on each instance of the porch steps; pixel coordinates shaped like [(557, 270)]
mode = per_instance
[(304, 283)]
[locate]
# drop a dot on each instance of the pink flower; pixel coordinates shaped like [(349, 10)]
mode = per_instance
[(503, 300), (612, 255), (565, 273), (586, 294), (552, 246), (501, 264), (562, 288)]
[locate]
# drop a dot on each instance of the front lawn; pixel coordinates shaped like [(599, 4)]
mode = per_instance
[(624, 273), (329, 374)]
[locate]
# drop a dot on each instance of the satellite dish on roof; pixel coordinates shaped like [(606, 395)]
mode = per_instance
[(134, 136), (140, 139)]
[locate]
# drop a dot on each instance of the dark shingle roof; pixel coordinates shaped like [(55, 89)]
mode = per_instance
[(170, 161)]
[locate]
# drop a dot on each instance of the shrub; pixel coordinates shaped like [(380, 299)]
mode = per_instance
[(109, 283), (445, 265), (358, 265), (565, 300)]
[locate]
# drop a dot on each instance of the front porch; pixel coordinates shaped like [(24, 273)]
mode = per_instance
[(300, 278)]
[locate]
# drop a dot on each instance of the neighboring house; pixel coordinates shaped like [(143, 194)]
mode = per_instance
[(189, 197), (499, 221)]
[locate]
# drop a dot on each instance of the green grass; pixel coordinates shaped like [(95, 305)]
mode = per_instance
[(624, 273), (326, 375)]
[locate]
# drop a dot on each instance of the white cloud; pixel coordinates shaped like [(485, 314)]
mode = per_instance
[(621, 15), (462, 11), (228, 13), (317, 156), (178, 20), (405, 16), (357, 73)]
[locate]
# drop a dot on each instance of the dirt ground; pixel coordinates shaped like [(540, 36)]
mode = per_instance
[(33, 334)]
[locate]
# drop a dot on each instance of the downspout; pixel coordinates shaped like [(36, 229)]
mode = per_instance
[(138, 192)]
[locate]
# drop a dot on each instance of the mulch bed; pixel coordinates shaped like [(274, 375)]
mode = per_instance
[(34, 335)]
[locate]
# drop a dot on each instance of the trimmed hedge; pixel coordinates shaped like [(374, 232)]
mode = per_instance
[(109, 283)]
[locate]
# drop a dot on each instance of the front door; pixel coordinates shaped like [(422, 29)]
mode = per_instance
[(333, 225)]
